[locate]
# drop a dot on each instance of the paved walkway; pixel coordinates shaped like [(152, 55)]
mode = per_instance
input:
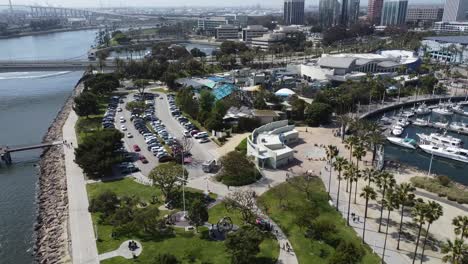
[(373, 238), (83, 242), (123, 251)]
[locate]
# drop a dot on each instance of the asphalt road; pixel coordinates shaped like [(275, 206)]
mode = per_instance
[(200, 152)]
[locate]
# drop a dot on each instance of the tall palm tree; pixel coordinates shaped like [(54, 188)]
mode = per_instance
[(404, 196), (332, 152), (461, 226), (434, 212), (351, 174), (367, 193), (359, 152), (369, 175), (455, 251), (385, 181), (339, 165), (389, 203), (419, 214), (350, 142)]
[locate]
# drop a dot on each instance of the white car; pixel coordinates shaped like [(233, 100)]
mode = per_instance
[(122, 120), (119, 109), (129, 135), (203, 140), (124, 128)]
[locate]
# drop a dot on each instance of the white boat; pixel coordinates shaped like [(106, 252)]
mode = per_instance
[(407, 114), (397, 130), (459, 126), (423, 110), (403, 122), (403, 142), (442, 111), (440, 140), (452, 153), (386, 120), (459, 110), (440, 125), (421, 122)]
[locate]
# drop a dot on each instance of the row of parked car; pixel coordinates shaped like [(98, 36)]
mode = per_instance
[(190, 129), (109, 115)]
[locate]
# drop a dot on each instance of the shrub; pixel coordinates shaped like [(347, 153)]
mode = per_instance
[(347, 253), (444, 180), (242, 147), (442, 186), (237, 170)]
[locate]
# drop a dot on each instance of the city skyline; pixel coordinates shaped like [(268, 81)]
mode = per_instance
[(177, 3)]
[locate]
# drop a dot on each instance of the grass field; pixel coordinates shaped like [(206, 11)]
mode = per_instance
[(187, 246), (309, 250)]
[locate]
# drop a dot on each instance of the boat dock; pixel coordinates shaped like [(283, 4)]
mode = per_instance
[(5, 152)]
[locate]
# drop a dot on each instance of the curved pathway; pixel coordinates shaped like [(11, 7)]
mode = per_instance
[(123, 251)]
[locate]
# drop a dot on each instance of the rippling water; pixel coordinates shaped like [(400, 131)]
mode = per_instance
[(29, 101)]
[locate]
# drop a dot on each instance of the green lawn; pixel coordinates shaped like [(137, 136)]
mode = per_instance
[(185, 245), (308, 250), (219, 211)]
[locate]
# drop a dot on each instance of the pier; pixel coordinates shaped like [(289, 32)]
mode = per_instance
[(5, 152)]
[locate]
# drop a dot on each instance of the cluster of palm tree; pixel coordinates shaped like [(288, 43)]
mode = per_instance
[(456, 252)]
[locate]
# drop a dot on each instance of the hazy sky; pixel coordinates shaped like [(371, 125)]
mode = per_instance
[(117, 3)]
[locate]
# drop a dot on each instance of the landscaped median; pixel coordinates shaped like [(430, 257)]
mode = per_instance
[(187, 246), (316, 230), (443, 187)]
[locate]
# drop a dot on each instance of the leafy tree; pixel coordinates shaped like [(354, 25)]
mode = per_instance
[(136, 107), (347, 253), (318, 114), (168, 176), (141, 85), (103, 83), (98, 152), (321, 228), (298, 108), (166, 258), (105, 203), (186, 103), (206, 100), (244, 202), (148, 219), (198, 213), (86, 104), (244, 244), (237, 170)]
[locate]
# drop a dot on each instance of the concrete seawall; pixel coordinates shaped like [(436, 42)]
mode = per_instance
[(52, 243)]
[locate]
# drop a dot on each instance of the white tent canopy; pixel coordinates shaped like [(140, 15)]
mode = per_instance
[(285, 92)]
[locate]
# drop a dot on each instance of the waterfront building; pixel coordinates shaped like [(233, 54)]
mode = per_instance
[(268, 40), (374, 11), (329, 13), (293, 12), (225, 32), (394, 12), (455, 10), (268, 144), (424, 14), (451, 49), (451, 27), (253, 31)]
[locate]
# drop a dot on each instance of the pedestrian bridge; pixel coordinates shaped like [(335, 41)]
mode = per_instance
[(5, 152), (50, 65)]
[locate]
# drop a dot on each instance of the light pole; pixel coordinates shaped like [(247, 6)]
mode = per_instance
[(430, 164)]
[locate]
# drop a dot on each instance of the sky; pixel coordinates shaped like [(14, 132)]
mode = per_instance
[(165, 3)]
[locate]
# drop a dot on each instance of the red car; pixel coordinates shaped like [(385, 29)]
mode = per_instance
[(143, 159), (136, 148), (194, 132)]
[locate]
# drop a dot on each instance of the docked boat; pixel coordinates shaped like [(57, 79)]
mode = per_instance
[(386, 120), (423, 110), (440, 140), (421, 122), (440, 125), (403, 122), (459, 110), (442, 111), (459, 126), (407, 114), (452, 153), (397, 130), (403, 142)]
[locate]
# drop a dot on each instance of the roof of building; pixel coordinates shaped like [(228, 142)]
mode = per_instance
[(388, 64), (224, 90), (265, 113), (285, 92), (336, 62), (254, 88), (450, 39), (235, 112)]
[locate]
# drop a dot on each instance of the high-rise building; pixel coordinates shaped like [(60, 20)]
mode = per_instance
[(455, 10), (424, 14), (329, 13), (394, 12), (293, 12), (349, 12), (374, 11)]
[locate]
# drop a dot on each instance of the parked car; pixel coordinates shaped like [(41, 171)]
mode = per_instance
[(143, 159), (129, 135), (203, 140), (136, 148)]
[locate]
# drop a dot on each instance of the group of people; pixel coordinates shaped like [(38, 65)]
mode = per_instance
[(287, 247), (132, 245), (68, 144), (355, 218)]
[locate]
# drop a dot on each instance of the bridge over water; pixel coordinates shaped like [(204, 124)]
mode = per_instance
[(5, 152), (51, 65)]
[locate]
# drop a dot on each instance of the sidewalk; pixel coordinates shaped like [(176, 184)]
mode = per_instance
[(83, 242)]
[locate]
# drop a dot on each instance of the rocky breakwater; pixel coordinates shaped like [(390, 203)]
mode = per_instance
[(52, 240)]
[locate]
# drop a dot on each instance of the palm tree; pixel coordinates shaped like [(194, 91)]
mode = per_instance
[(339, 165), (332, 152), (368, 193), (404, 195), (359, 152), (351, 174), (389, 203), (455, 251), (350, 142), (374, 138), (419, 216), (461, 226), (384, 181), (434, 212), (369, 175)]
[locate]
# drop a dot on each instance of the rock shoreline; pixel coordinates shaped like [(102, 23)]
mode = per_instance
[(52, 240)]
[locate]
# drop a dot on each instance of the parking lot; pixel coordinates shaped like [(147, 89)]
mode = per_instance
[(164, 123)]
